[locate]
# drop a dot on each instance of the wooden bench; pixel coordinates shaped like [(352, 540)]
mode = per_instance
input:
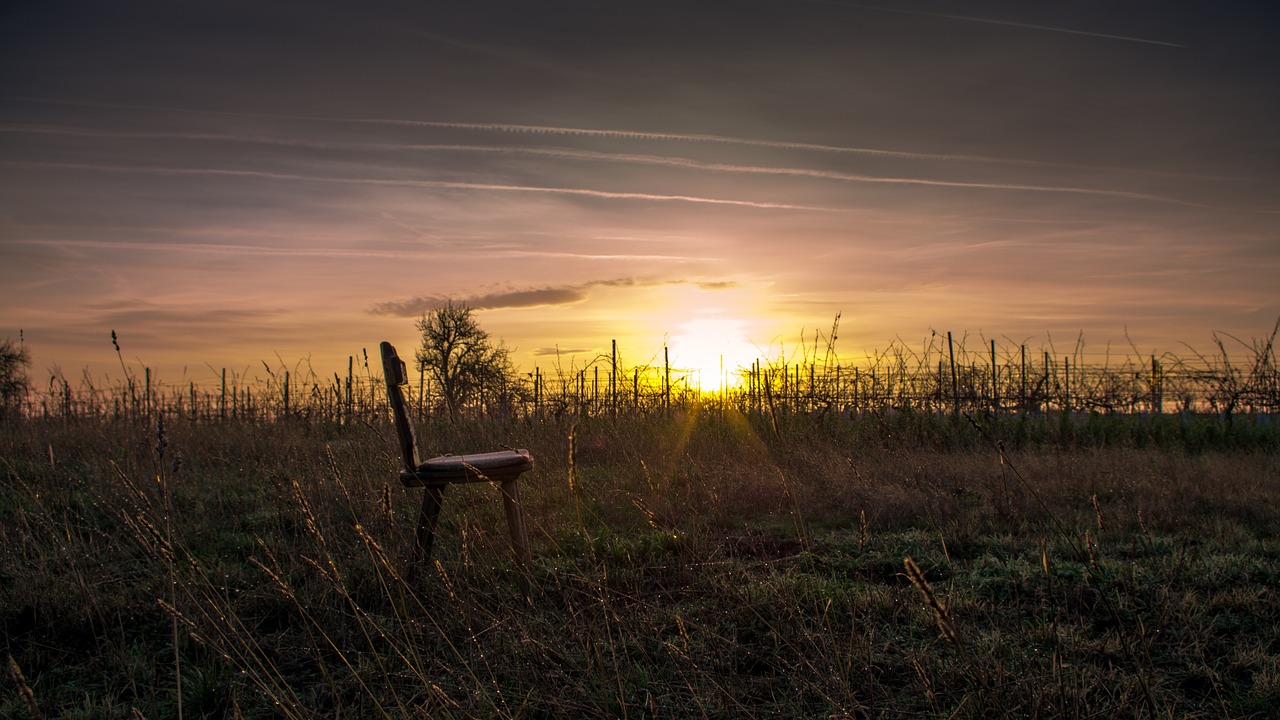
[(502, 467)]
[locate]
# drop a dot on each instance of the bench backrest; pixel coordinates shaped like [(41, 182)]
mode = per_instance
[(397, 377)]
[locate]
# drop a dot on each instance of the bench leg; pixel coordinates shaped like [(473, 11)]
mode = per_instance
[(432, 497), (515, 522)]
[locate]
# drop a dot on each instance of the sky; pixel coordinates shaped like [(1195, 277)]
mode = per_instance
[(228, 183)]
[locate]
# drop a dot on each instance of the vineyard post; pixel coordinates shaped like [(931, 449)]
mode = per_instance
[(350, 399), (722, 395), (222, 401), (786, 380), (955, 384), (813, 399), (1066, 385), (888, 385), (839, 406), (995, 380), (146, 396), (1046, 381), (856, 407), (941, 393), (795, 390), (613, 379), (286, 393), (759, 386), (1157, 401), (666, 379), (1023, 385)]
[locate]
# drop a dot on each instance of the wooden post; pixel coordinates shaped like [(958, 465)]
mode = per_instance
[(1157, 387), (1066, 385), (1023, 386), (424, 534), (839, 406), (795, 388), (613, 379), (1046, 381), (515, 523), (955, 384), (856, 400), (786, 380), (351, 398), (995, 380), (666, 379), (222, 402), (812, 393), (753, 386), (286, 393)]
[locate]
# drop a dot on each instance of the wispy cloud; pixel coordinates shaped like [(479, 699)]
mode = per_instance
[(531, 297), (616, 195), (226, 248), (516, 128), (553, 351), (1007, 23), (438, 184), (565, 153), (242, 249)]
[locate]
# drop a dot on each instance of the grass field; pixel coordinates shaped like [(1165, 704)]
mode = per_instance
[(701, 564)]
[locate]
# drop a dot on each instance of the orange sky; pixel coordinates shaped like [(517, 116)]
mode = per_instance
[(292, 183)]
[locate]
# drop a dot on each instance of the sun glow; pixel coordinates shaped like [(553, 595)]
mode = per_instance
[(713, 350)]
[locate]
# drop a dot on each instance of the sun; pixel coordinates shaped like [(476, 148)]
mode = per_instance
[(713, 350)]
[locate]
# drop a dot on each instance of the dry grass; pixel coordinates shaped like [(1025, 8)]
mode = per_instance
[(699, 566)]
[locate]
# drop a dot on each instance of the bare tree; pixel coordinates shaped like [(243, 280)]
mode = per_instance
[(14, 361), (460, 358)]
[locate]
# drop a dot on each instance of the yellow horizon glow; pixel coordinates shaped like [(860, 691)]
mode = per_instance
[(713, 348)]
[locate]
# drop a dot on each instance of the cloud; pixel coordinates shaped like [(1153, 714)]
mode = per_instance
[(564, 153), (554, 351), (534, 297), (1010, 23), (522, 129), (436, 184)]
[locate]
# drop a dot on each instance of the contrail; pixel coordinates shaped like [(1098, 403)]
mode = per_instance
[(227, 249), (242, 249), (442, 184), (848, 177), (615, 134), (1007, 23), (553, 152)]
